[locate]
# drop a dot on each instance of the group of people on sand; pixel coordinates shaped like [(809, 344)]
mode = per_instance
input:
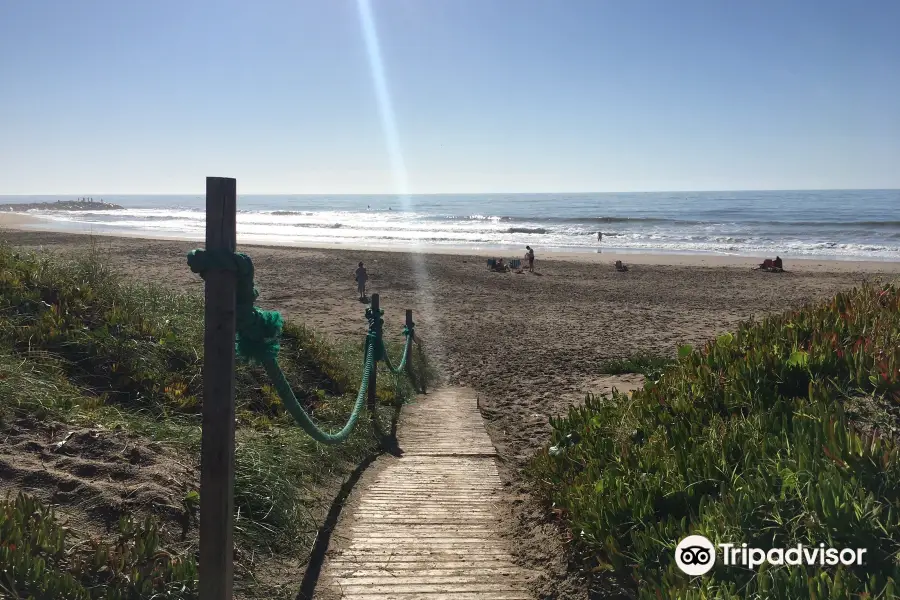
[(772, 265), (362, 275), (498, 264)]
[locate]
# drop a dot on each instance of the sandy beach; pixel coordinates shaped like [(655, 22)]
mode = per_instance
[(562, 450), (16, 219), (529, 344)]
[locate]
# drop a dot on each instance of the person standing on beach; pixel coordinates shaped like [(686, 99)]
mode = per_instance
[(529, 256), (361, 278), (599, 236)]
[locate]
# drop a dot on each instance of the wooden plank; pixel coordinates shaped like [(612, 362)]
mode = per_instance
[(217, 442)]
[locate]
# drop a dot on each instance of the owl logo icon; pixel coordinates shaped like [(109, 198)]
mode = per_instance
[(695, 555)]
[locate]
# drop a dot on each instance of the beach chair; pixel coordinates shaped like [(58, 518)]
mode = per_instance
[(515, 263), (491, 263)]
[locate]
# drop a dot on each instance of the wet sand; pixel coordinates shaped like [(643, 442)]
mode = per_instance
[(528, 343)]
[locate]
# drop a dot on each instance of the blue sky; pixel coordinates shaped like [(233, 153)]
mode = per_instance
[(106, 96)]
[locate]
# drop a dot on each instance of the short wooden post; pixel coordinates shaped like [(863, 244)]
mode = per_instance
[(410, 329), (217, 438), (373, 378)]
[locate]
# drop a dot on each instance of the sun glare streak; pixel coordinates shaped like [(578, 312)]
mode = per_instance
[(398, 165), (383, 96)]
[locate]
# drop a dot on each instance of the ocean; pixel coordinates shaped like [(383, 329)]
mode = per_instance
[(851, 224)]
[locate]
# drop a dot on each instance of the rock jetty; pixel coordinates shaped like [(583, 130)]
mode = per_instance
[(60, 205)]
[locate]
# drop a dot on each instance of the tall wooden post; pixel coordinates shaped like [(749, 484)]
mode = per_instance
[(373, 378), (217, 442)]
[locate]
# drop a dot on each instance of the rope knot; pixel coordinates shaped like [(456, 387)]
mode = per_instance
[(258, 331)]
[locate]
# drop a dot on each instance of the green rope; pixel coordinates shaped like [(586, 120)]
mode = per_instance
[(300, 415), (258, 333), (376, 323), (387, 359)]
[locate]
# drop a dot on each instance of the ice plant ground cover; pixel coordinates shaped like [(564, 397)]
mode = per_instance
[(782, 432)]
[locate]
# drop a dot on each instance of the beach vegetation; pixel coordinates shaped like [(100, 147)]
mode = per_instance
[(42, 561), (783, 432), (82, 345), (649, 365)]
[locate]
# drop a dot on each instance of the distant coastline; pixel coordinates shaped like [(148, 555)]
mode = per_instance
[(61, 205)]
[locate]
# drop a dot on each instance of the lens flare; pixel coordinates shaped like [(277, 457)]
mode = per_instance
[(398, 166)]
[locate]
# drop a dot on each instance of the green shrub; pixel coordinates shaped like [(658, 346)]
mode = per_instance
[(39, 560), (648, 365), (746, 440)]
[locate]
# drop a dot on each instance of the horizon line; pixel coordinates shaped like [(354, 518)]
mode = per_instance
[(394, 195)]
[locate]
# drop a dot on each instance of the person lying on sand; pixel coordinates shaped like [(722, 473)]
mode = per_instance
[(772, 266)]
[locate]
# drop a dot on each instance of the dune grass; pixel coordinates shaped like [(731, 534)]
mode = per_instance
[(79, 343), (747, 440)]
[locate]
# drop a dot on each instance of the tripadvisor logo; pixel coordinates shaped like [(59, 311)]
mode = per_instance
[(696, 555)]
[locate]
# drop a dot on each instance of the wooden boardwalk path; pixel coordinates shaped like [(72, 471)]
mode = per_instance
[(426, 527)]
